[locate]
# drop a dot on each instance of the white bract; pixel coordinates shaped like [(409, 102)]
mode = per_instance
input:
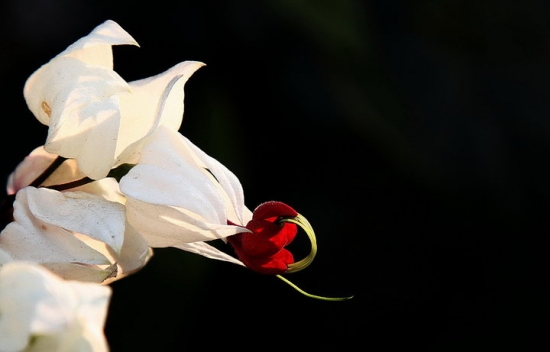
[(39, 311), (178, 196), (93, 114), (79, 234)]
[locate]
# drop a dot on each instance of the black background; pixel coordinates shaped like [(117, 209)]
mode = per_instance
[(414, 136)]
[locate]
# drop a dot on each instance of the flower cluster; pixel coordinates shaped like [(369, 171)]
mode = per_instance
[(115, 179)]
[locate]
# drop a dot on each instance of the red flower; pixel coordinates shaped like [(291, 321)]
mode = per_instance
[(263, 250)]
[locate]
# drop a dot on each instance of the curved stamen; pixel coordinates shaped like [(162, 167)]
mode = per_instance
[(308, 229), (304, 263), (333, 299)]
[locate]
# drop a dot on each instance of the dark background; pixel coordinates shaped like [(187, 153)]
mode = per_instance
[(414, 136)]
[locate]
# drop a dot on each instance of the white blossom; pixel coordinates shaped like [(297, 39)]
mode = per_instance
[(178, 196), (79, 233), (93, 114), (39, 311)]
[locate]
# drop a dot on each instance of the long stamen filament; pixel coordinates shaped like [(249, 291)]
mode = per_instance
[(333, 299), (308, 229), (304, 263)]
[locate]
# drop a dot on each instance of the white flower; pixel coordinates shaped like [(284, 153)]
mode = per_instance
[(57, 229), (93, 114), (178, 196), (80, 234), (41, 312)]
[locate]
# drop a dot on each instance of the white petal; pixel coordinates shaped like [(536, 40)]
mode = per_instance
[(157, 100), (80, 104), (80, 212), (192, 191), (89, 136), (171, 196), (237, 211), (32, 166), (93, 115), (206, 250), (5, 257), (134, 255), (39, 160), (167, 174), (95, 48), (172, 172), (45, 219), (28, 238), (35, 305), (77, 95), (53, 83), (83, 272), (164, 226)]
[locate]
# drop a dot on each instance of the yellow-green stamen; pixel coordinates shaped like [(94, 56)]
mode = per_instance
[(308, 229), (304, 263), (334, 299)]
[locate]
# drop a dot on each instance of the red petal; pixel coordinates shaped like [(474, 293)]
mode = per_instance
[(267, 237), (273, 209), (263, 250), (274, 265)]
